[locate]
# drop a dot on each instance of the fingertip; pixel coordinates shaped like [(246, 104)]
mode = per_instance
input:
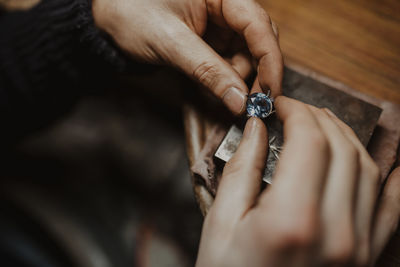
[(253, 147), (279, 99), (255, 128), (288, 107)]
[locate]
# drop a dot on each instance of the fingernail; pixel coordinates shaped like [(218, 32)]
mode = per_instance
[(235, 100)]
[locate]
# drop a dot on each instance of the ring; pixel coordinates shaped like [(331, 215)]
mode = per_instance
[(260, 105)]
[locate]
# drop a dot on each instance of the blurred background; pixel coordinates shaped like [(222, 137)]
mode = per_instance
[(108, 183)]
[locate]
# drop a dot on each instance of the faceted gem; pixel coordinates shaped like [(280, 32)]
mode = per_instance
[(259, 105)]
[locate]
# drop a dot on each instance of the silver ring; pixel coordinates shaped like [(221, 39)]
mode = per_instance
[(260, 105)]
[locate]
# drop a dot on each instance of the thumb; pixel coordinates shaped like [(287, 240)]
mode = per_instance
[(242, 175), (192, 55)]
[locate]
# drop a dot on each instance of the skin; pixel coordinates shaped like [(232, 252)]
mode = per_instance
[(215, 42), (323, 208)]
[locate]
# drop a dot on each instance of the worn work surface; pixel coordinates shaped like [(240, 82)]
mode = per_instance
[(361, 116)]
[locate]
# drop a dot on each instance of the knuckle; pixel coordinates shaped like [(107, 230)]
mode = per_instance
[(373, 170), (207, 74), (362, 260), (340, 257), (318, 140), (296, 238), (302, 234), (350, 152), (363, 252), (343, 252), (312, 137)]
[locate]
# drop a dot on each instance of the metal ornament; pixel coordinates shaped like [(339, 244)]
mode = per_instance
[(260, 105)]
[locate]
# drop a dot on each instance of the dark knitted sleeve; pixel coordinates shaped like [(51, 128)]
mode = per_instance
[(45, 54)]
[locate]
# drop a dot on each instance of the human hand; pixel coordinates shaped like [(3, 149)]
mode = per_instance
[(170, 31), (323, 208)]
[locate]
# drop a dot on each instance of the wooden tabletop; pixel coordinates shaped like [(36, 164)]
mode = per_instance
[(355, 42)]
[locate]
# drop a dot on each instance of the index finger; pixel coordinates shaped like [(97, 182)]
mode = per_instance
[(251, 21)]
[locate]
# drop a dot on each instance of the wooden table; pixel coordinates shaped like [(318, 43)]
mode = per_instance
[(356, 42)]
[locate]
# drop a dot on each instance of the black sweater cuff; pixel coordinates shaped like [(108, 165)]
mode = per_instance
[(45, 53)]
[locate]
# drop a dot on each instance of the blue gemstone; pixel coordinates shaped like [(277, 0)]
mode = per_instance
[(259, 105)]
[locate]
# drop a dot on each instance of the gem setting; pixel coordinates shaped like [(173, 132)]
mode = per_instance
[(259, 105)]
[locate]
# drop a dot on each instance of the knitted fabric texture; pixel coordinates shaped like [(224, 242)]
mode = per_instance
[(46, 53)]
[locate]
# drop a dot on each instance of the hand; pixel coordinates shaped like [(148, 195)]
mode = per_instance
[(322, 209), (169, 32)]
